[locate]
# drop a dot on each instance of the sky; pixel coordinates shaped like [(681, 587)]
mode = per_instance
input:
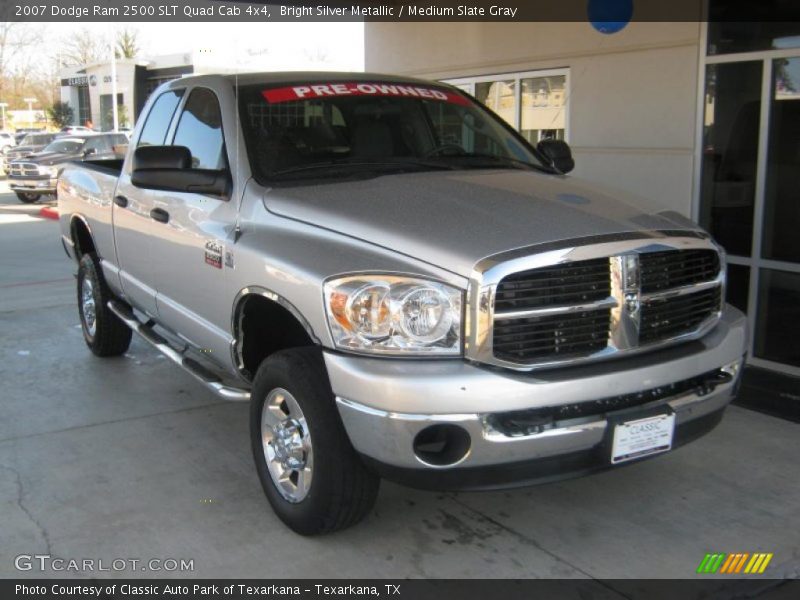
[(248, 46)]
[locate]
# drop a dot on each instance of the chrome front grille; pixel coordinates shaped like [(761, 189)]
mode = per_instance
[(20, 169), (671, 268), (575, 283), (555, 336), (594, 301), (664, 319)]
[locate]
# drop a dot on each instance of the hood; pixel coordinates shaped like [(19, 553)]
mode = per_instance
[(50, 158), (453, 219), (25, 150)]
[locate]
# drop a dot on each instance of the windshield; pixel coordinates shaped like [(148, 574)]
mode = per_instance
[(65, 146), (35, 139), (316, 131)]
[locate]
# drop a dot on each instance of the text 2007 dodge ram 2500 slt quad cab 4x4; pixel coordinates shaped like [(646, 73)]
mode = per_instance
[(401, 285)]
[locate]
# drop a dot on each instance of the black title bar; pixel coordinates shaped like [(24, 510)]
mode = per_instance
[(122, 11)]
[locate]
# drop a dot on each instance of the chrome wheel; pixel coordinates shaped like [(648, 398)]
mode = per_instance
[(286, 442), (88, 307)]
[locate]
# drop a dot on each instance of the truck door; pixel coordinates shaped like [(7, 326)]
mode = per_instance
[(133, 212), (190, 247)]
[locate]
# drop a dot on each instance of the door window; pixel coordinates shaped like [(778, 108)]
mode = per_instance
[(200, 130), (155, 128)]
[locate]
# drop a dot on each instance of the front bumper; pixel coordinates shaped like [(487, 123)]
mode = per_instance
[(44, 185), (384, 404)]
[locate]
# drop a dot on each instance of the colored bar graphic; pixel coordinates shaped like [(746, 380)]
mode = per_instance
[(704, 564), (731, 560), (766, 562), (740, 564), (730, 564)]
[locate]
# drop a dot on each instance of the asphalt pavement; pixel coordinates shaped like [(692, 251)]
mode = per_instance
[(130, 458)]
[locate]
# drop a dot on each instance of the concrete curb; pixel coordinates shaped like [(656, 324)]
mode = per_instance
[(48, 212)]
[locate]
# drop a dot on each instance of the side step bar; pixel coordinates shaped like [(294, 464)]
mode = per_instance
[(195, 369)]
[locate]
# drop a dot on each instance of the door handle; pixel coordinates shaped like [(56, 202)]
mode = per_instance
[(121, 201), (160, 215)]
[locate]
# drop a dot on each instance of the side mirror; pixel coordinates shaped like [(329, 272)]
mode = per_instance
[(169, 168), (558, 154)]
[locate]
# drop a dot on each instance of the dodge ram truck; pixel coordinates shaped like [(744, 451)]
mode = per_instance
[(400, 285), (38, 173)]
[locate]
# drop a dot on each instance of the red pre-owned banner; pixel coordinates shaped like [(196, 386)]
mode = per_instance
[(325, 90)]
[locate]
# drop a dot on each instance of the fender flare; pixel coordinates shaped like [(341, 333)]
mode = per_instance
[(237, 313)]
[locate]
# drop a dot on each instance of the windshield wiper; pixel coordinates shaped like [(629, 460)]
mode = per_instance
[(506, 160), (366, 165)]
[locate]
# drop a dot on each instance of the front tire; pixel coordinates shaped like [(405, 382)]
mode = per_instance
[(28, 197), (103, 331), (311, 475)]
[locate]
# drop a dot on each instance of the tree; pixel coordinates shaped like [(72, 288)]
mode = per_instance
[(61, 114), (127, 46), (15, 41), (83, 48)]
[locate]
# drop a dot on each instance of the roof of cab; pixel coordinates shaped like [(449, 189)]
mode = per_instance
[(289, 77)]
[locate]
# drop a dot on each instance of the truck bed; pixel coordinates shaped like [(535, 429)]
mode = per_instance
[(111, 166)]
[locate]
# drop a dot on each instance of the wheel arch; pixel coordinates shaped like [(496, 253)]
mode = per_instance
[(81, 235), (257, 309)]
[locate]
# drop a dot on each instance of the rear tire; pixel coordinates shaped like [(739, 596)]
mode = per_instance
[(103, 331), (28, 197), (303, 425)]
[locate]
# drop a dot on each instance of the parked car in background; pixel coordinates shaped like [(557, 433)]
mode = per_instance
[(7, 141), (37, 174), (76, 129), (32, 142), (23, 131)]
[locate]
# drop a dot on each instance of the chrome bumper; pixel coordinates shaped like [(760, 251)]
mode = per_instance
[(384, 404), (39, 186)]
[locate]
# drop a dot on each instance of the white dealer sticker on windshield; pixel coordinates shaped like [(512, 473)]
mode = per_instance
[(643, 437), (324, 90)]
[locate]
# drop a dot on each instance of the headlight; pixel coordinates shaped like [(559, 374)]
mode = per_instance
[(394, 315), (49, 171)]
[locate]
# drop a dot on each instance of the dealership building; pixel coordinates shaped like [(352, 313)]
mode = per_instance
[(699, 118), (88, 89)]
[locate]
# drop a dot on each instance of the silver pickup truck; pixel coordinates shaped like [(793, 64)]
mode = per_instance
[(402, 287)]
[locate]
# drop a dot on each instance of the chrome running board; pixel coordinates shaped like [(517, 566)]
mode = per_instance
[(191, 366)]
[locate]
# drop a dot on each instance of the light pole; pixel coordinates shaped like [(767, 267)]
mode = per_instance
[(30, 102), (3, 106)]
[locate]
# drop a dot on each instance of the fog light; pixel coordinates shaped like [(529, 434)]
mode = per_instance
[(442, 445)]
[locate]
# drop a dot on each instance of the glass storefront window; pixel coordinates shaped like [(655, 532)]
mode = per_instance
[(781, 204), (535, 103), (737, 286), (543, 108), (499, 96), (730, 37), (778, 315), (730, 152)]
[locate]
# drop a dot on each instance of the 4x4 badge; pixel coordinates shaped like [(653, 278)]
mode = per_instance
[(214, 254)]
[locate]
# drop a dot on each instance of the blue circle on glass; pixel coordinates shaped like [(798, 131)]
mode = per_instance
[(610, 16)]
